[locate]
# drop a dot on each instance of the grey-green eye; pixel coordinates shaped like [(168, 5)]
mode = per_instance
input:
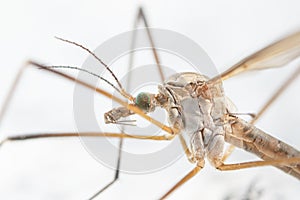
[(143, 101)]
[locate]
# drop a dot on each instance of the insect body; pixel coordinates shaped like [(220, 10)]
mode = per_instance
[(198, 113), (196, 108)]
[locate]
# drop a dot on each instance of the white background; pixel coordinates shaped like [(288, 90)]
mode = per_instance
[(63, 169)]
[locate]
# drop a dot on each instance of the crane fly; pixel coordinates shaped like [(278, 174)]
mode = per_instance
[(196, 109)]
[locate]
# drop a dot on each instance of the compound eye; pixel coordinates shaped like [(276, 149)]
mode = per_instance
[(143, 101)]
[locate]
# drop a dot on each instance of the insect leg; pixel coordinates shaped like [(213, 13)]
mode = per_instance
[(191, 174), (260, 163), (279, 92), (142, 16), (184, 146), (187, 177), (11, 91), (23, 137)]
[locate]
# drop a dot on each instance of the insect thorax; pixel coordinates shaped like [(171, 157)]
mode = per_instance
[(199, 110)]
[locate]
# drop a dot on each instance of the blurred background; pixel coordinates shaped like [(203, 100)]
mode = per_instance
[(62, 168)]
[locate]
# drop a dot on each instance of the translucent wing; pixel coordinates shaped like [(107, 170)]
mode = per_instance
[(277, 54)]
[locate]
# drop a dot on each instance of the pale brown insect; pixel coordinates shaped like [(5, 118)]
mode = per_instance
[(243, 135)]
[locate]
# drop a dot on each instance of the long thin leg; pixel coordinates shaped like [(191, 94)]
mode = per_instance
[(87, 134), (263, 109), (184, 146), (116, 177), (83, 134), (141, 15), (228, 152), (275, 96), (191, 174), (260, 163), (187, 177), (11, 91)]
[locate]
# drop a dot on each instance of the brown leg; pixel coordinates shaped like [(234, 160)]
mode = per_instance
[(22, 137), (11, 91), (228, 152), (190, 174), (87, 134), (187, 177), (141, 16), (185, 148), (279, 92), (244, 165)]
